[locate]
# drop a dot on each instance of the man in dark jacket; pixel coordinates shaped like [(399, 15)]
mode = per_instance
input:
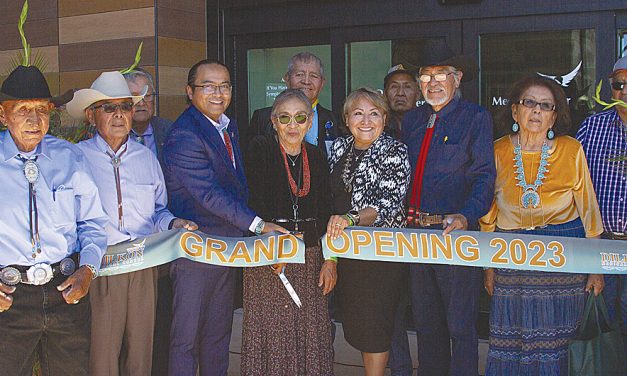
[(305, 72)]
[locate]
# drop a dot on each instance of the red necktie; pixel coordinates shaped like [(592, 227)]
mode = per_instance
[(229, 146)]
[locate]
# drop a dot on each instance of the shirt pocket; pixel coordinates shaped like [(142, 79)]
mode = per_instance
[(64, 207), (145, 199)]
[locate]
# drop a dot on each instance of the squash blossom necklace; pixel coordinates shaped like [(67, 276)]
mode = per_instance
[(530, 196)]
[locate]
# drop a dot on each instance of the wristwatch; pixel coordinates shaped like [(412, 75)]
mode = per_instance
[(259, 227), (93, 270), (354, 215)]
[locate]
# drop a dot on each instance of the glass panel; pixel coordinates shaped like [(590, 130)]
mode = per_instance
[(622, 40), (568, 57), (266, 68), (367, 63)]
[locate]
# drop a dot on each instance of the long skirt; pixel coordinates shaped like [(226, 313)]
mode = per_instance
[(280, 339), (533, 315)]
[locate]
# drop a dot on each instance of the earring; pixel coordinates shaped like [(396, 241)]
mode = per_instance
[(550, 134), (515, 127)]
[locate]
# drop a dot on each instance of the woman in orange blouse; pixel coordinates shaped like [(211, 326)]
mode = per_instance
[(542, 187)]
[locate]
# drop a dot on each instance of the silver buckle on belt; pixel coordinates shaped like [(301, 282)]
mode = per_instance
[(10, 276), (39, 274)]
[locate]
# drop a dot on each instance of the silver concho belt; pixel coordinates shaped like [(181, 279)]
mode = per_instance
[(38, 274)]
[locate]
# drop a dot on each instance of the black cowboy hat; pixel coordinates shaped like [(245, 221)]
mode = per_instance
[(438, 53), (29, 83)]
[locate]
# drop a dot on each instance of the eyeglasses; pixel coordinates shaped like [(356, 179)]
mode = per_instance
[(299, 119), (212, 88), (440, 77), (113, 107), (530, 103), (618, 86), (148, 97)]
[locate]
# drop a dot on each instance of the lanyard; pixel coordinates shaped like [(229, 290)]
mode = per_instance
[(31, 173), (116, 161)]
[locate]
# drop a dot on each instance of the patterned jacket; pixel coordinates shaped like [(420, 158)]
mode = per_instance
[(381, 179)]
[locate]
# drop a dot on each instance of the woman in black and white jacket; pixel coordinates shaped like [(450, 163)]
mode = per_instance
[(370, 175)]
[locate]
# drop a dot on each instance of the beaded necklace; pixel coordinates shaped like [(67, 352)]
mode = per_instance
[(530, 196), (302, 192)]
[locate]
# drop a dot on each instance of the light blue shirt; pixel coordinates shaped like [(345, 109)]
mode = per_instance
[(148, 136), (312, 134), (71, 218), (144, 196)]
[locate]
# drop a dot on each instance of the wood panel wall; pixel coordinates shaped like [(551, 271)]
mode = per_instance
[(82, 38)]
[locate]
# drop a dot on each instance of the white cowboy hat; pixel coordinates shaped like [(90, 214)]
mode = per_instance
[(109, 85)]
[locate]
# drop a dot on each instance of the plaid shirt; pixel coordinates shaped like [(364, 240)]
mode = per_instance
[(604, 137)]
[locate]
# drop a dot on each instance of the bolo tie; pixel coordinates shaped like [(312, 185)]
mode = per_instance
[(115, 162), (31, 173)]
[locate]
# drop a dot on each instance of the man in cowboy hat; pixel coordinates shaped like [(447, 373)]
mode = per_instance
[(449, 142), (52, 235), (134, 197)]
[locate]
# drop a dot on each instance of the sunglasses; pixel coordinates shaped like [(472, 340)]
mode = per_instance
[(440, 77), (530, 103), (618, 86), (113, 107), (299, 119)]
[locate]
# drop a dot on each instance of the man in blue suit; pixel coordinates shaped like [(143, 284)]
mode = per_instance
[(205, 180)]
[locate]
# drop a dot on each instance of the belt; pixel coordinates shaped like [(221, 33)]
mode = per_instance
[(614, 235), (423, 219), (296, 224), (38, 274)]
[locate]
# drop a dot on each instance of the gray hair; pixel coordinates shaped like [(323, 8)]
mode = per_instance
[(288, 94), (304, 57), (140, 72)]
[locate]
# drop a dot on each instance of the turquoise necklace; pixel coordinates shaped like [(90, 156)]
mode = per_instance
[(530, 196)]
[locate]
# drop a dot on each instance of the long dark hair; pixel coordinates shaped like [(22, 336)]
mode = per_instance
[(504, 118)]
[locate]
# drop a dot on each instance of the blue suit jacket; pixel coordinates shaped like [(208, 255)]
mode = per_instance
[(459, 172), (202, 184)]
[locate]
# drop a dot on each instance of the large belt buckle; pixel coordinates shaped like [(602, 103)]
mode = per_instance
[(67, 266), (422, 219), (39, 274), (10, 276)]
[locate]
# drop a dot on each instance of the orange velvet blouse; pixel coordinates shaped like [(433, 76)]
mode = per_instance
[(566, 192)]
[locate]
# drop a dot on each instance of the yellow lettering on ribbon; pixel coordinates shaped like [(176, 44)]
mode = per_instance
[(215, 246), (467, 253), (195, 248), (291, 248), (240, 252), (260, 248), (383, 239)]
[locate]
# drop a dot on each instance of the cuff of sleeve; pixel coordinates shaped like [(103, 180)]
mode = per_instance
[(470, 217), (91, 255), (164, 224), (254, 224)]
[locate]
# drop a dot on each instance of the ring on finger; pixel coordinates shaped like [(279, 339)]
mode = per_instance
[(337, 224), (75, 302)]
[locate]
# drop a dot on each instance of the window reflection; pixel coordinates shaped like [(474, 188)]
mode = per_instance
[(567, 57), (367, 63)]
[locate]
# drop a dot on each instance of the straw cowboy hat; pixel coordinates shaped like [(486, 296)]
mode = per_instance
[(26, 83), (109, 85)]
